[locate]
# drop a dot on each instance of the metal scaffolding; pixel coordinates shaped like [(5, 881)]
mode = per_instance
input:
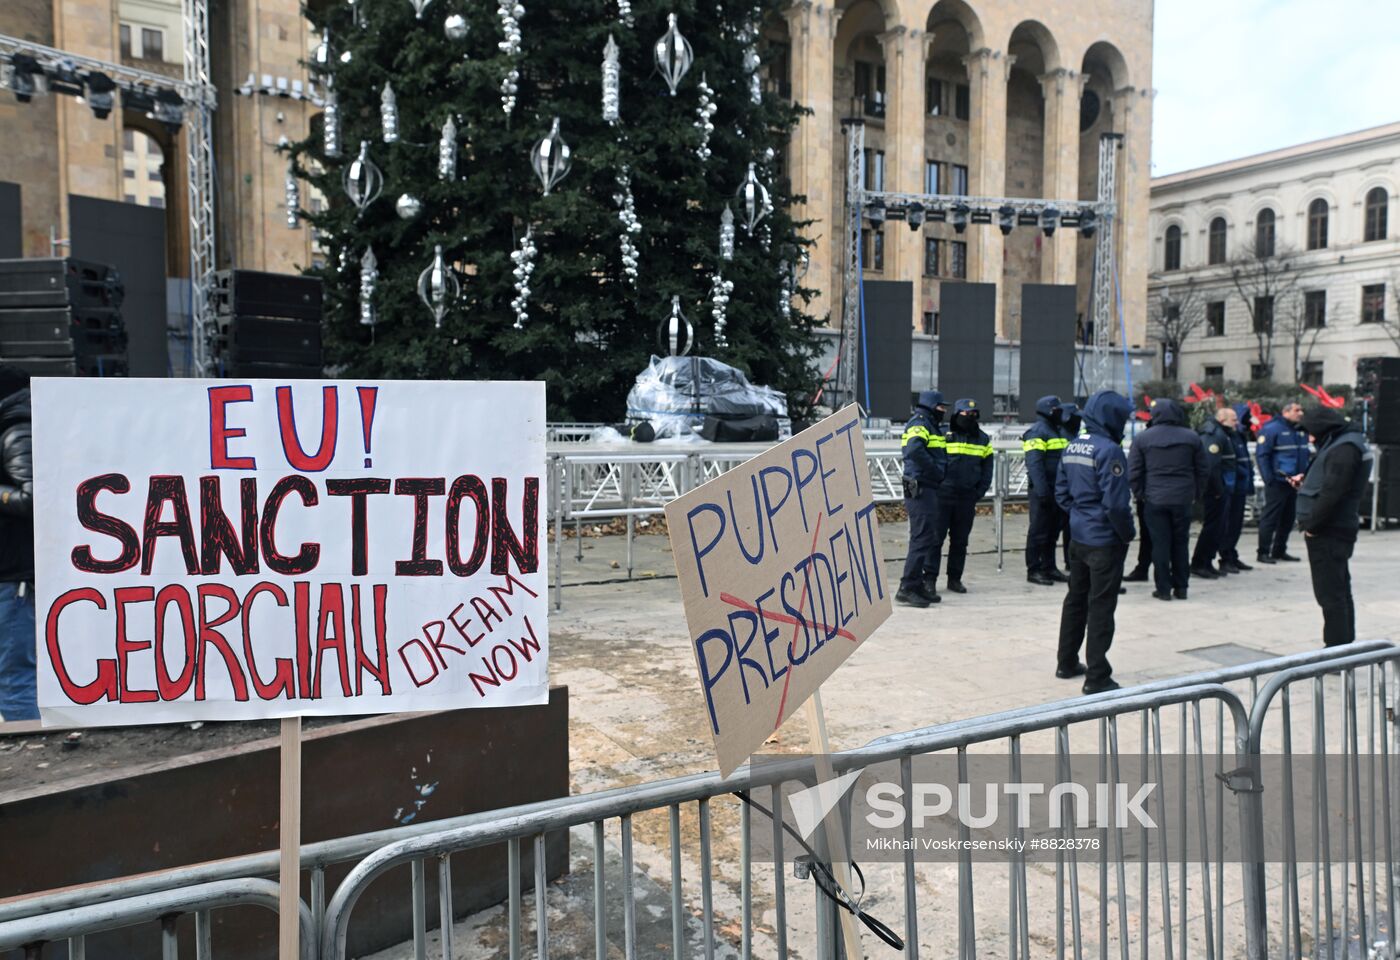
[(982, 212)]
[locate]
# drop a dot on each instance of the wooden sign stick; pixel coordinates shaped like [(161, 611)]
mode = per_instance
[(289, 828), (835, 837)]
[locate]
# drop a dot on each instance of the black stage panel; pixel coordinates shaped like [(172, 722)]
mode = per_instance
[(132, 239), (11, 223), (967, 330), (889, 342), (1047, 343)]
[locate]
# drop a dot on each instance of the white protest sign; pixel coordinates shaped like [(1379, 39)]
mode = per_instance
[(782, 577), (224, 549)]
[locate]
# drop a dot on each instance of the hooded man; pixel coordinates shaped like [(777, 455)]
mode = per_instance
[(1230, 560), (1043, 444), (1329, 514), (967, 479), (925, 452), (18, 698), (1167, 473), (1218, 439), (1092, 487)]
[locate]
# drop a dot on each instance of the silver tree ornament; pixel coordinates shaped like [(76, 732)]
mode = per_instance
[(447, 151), (419, 6), (330, 125), (753, 200), (362, 179), (673, 54), (369, 278), (438, 287), (612, 82), (292, 194), (550, 158), (726, 234), (389, 113), (672, 327)]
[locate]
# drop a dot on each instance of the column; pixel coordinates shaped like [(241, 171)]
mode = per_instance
[(812, 28), (1132, 117), (89, 154), (1063, 89), (987, 72), (904, 146)]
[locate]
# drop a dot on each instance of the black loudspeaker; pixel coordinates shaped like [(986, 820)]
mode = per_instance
[(248, 293), (1386, 407), (62, 318), (11, 222), (106, 365), (271, 340), (58, 282), (1047, 344), (967, 341), (61, 332), (887, 349)]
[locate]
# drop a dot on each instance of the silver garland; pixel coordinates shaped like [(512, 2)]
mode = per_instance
[(612, 82), (624, 12), (627, 215), (389, 113), (751, 64), (785, 290), (510, 86), (726, 234), (720, 291), (510, 12), (524, 260), (704, 118), (447, 151), (330, 124), (369, 278)]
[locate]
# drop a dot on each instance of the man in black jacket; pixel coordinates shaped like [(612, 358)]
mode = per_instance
[(18, 700), (1329, 514), (1218, 438), (1167, 471), (967, 478)]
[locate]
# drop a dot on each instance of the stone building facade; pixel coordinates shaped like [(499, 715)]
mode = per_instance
[(983, 97), (1321, 219)]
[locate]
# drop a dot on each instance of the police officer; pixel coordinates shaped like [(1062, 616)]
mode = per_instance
[(1329, 514), (1043, 443), (1282, 452), (967, 478), (925, 460), (1230, 561), (1218, 439), (1167, 472), (1092, 487)]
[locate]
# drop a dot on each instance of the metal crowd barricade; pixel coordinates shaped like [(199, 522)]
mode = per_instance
[(73, 925)]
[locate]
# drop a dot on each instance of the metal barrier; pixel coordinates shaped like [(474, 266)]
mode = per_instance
[(75, 924)]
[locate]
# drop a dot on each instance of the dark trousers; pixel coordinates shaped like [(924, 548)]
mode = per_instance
[(1234, 522), (923, 544), (1144, 557), (1213, 524), (1046, 522), (954, 525), (1170, 533), (1094, 576), (1280, 505), (1331, 582)]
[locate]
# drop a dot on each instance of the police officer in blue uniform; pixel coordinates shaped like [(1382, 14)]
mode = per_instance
[(1071, 423), (1282, 453), (966, 480), (1092, 487), (1230, 561), (925, 453), (1042, 444)]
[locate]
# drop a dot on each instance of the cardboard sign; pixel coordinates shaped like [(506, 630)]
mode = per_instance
[(782, 576), (226, 550)]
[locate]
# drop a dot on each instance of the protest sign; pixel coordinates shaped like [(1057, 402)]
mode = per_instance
[(224, 550), (782, 577)]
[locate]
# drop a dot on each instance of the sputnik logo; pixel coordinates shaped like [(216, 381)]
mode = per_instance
[(810, 806)]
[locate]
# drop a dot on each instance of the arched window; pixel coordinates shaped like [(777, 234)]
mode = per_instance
[(1377, 202), (1216, 250), (143, 163), (1172, 260), (1317, 224), (1264, 234)]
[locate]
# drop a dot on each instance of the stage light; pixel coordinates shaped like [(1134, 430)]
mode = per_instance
[(936, 215), (981, 216), (138, 100), (1027, 218), (916, 216), (959, 217), (875, 211), (63, 78), (1049, 217), (170, 109), (99, 96), (1006, 219), (1088, 222), (26, 77), (248, 87)]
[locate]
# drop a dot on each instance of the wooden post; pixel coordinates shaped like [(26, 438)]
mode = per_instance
[(835, 837), (289, 827)]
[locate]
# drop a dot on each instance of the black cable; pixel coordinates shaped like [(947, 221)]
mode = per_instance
[(826, 881)]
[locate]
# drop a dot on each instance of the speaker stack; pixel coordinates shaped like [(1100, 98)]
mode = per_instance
[(269, 325), (62, 317), (1381, 380)]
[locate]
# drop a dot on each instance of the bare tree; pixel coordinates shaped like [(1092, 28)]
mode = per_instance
[(1390, 318), (1266, 282), (1176, 314), (1291, 321)]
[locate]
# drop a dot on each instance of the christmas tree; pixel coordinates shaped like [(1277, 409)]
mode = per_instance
[(583, 313)]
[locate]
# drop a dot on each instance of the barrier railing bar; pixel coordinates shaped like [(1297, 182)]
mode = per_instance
[(707, 901), (541, 900), (600, 879), (629, 900), (677, 918), (420, 910), (513, 910), (445, 904), (204, 936)]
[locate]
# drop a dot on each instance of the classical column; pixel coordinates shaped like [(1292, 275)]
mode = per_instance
[(904, 152), (1063, 89), (1132, 117), (987, 72), (812, 28)]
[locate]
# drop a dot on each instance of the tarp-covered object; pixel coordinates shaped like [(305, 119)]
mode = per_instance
[(676, 394)]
